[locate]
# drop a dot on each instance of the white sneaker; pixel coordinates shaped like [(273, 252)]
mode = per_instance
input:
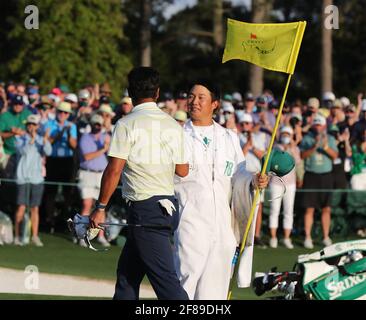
[(37, 241), (17, 242), (308, 243), (287, 243), (273, 242), (82, 243), (327, 242), (103, 241)]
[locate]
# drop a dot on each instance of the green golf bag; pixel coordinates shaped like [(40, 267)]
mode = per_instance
[(338, 272)]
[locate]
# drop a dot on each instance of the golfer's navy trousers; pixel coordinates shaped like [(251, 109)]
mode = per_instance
[(149, 251)]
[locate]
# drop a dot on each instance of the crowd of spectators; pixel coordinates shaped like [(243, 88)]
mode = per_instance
[(63, 137)]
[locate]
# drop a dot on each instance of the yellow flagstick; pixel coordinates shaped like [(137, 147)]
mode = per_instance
[(257, 192)]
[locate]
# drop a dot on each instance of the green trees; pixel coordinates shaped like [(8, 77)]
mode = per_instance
[(77, 43)]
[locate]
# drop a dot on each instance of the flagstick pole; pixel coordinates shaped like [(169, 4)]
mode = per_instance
[(257, 191)]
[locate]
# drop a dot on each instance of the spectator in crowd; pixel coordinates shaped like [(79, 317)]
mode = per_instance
[(93, 160), (124, 109), (358, 171), (170, 103), (33, 97), (12, 125), (319, 150), (85, 110), (44, 107), (105, 110), (31, 147), (20, 91), (3, 100), (344, 152), (336, 113), (308, 116), (254, 143), (263, 116), (229, 115), (181, 117), (249, 103), (60, 165), (350, 119), (277, 188), (327, 102), (182, 101), (72, 98), (360, 126)]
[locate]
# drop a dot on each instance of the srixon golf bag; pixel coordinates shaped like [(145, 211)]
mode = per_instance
[(338, 272)]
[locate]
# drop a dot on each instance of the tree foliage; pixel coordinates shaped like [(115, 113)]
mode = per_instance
[(77, 43)]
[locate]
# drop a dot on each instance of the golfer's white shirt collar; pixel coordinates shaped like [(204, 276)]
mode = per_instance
[(145, 106)]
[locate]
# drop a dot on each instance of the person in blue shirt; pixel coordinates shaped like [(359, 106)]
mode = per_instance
[(60, 166), (30, 148)]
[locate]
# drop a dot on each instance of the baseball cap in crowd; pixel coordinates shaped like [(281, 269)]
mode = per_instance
[(182, 95), (228, 97), (127, 100), (84, 94), (262, 99), (33, 118), (104, 99), (107, 109), (280, 162), (32, 82), (350, 108), (245, 117), (167, 96), (319, 120), (287, 129), (56, 91), (46, 100), (180, 115), (337, 104), (345, 102), (64, 88), (64, 106), (96, 118), (54, 98), (249, 96), (297, 116), (71, 97), (274, 104), (328, 96), (237, 97), (227, 106), (17, 99), (314, 103)]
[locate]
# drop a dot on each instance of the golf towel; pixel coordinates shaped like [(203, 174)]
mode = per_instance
[(241, 203)]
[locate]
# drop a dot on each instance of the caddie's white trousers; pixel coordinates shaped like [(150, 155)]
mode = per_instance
[(276, 190)]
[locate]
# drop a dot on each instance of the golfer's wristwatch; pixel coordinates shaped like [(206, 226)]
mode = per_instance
[(100, 206)]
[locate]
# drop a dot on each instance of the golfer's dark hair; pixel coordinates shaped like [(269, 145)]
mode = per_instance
[(143, 82), (212, 87)]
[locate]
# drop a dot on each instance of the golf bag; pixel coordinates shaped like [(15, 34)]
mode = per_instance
[(338, 272)]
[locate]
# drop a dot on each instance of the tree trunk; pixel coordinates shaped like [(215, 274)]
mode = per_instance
[(260, 11), (145, 33), (218, 31), (326, 72)]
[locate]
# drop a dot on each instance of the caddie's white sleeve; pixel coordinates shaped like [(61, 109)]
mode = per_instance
[(121, 142)]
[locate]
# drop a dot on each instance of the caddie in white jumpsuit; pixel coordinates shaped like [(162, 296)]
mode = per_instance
[(204, 241)]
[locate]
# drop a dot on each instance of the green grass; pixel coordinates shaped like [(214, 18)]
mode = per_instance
[(15, 296), (61, 256)]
